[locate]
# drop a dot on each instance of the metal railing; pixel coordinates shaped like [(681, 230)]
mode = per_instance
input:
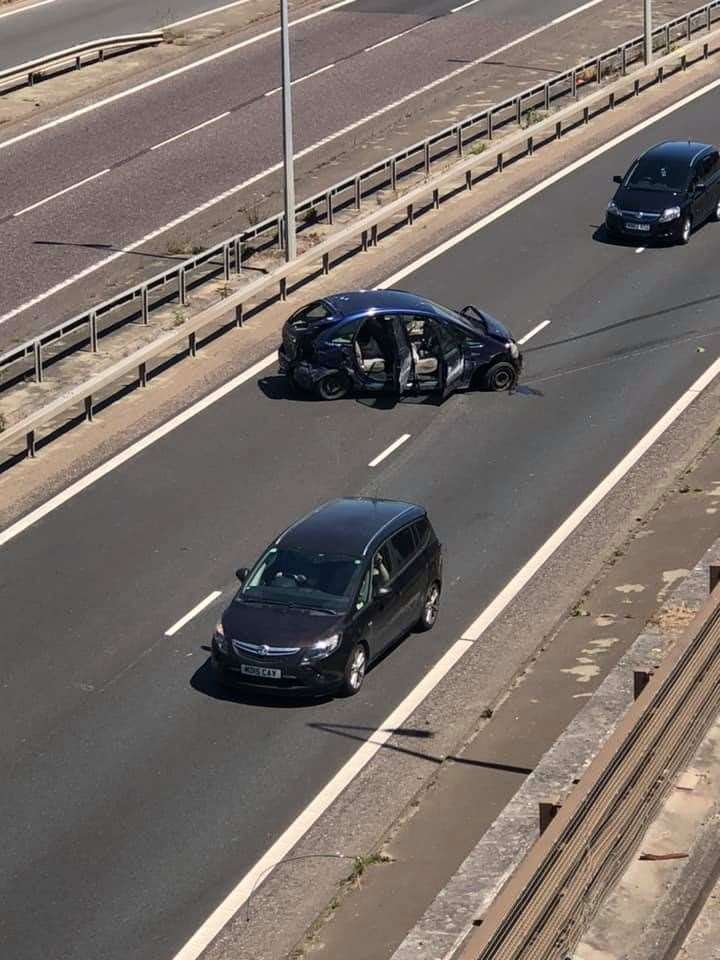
[(358, 236), (546, 905), (27, 74), (227, 257)]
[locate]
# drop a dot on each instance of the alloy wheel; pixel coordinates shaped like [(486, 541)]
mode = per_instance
[(358, 665)]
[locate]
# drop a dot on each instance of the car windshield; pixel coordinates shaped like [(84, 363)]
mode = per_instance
[(656, 173), (299, 578)]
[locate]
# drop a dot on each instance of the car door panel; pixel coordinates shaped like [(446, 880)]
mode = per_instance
[(410, 578), (404, 361)]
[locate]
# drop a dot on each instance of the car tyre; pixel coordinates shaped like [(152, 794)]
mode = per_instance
[(685, 230), (431, 608), (355, 669), (500, 376), (333, 386)]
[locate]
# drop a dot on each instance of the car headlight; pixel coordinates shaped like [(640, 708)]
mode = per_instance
[(514, 349), (219, 637), (323, 648), (672, 213), (612, 207)]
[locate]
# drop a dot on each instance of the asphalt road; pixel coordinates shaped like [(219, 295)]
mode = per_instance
[(137, 183), (135, 792)]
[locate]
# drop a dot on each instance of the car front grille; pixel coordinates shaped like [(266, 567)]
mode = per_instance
[(262, 651), (640, 215)]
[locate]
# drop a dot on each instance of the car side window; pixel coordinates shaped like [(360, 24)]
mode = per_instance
[(710, 165), (403, 547), (382, 569), (314, 311), (421, 530), (364, 591)]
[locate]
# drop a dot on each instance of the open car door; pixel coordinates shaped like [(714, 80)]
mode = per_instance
[(452, 360), (403, 357)]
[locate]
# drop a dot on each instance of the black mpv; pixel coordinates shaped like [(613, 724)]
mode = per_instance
[(328, 596), (667, 192)]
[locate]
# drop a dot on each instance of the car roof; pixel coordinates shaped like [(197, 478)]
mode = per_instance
[(349, 525), (357, 302), (680, 149)]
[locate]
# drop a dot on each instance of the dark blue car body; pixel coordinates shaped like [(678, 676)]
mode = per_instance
[(374, 341)]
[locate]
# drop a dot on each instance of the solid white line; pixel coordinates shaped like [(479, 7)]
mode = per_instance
[(395, 36), (34, 6), (521, 578), (84, 482), (206, 13), (58, 121), (60, 193), (193, 613), (199, 126), (98, 265), (544, 184), (391, 449), (531, 334), (470, 3), (330, 792), (307, 76)]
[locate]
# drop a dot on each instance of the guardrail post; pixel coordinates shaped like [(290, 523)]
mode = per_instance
[(37, 353), (373, 235), (683, 62), (364, 241), (393, 175), (714, 575), (500, 163), (89, 409), (31, 79), (192, 343), (283, 288), (611, 101), (660, 74), (531, 146), (142, 374), (239, 315), (688, 27), (598, 72), (436, 198), (427, 158), (101, 54), (144, 305), (410, 214), (623, 61), (641, 678), (573, 84), (30, 446), (226, 262), (558, 130), (237, 256), (182, 292), (326, 264), (281, 234), (93, 332), (459, 136), (636, 88), (518, 111), (489, 125), (667, 39), (547, 811), (586, 115), (706, 51), (329, 208), (547, 96), (469, 179), (77, 62), (358, 193), (708, 19)]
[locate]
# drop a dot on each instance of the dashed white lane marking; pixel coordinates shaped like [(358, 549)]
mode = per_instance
[(307, 76), (640, 250), (207, 13), (388, 450), (193, 613), (33, 6), (98, 265), (60, 193), (470, 3), (535, 330), (198, 126), (395, 36)]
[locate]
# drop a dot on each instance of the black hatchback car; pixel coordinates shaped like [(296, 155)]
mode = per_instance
[(328, 596), (668, 191), (397, 342)]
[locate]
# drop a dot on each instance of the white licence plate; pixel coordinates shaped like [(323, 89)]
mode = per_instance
[(642, 227), (268, 672)]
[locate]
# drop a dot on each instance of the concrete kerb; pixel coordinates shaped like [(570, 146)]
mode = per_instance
[(365, 232), (457, 909)]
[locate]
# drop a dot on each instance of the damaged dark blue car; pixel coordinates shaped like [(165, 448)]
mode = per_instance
[(389, 341)]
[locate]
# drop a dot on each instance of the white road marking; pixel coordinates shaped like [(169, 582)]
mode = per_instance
[(364, 754), (84, 482), (114, 462), (391, 449), (330, 792), (178, 71), (193, 613), (395, 36), (206, 13), (198, 126), (640, 249), (61, 193), (34, 6), (544, 184), (531, 334), (470, 3), (98, 265), (307, 76)]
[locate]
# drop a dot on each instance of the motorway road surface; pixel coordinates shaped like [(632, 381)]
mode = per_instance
[(135, 792), (120, 181)]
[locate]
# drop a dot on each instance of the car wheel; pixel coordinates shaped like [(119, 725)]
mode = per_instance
[(333, 386), (500, 376), (431, 607), (355, 669), (685, 230)]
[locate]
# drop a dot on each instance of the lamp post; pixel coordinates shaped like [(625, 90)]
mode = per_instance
[(288, 167), (647, 26)]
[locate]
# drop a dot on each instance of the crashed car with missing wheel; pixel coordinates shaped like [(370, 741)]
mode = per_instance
[(390, 341)]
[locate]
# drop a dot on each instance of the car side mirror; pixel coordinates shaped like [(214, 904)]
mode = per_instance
[(242, 574), (617, 179)]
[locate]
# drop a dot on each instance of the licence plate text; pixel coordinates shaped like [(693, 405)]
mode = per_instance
[(642, 227), (252, 671)]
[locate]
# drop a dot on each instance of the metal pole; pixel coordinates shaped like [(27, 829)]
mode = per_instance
[(288, 169), (647, 27)]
